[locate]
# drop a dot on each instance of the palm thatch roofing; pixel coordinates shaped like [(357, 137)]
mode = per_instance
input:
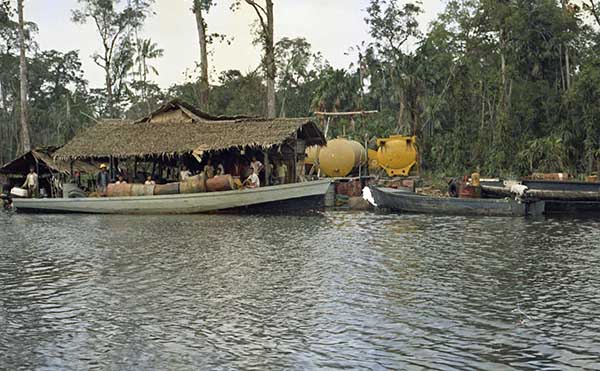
[(42, 158), (189, 110), (178, 128)]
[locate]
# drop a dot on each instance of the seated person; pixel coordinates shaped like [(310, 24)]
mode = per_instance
[(220, 169), (252, 181), (209, 170), (149, 181), (120, 180), (184, 173)]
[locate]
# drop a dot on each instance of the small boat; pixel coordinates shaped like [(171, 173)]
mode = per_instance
[(560, 196), (401, 200), (179, 203)]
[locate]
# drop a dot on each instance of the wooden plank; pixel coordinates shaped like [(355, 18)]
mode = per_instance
[(341, 114), (563, 195)]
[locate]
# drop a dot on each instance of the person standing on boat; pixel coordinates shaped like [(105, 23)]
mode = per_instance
[(184, 173), (209, 170), (102, 179), (252, 181), (32, 183), (282, 171), (256, 165)]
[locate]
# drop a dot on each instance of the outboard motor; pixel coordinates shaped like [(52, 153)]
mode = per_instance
[(453, 187), (7, 203)]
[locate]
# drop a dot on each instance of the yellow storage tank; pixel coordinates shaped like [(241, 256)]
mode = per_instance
[(360, 155), (397, 154), (312, 155), (373, 163), (340, 157)]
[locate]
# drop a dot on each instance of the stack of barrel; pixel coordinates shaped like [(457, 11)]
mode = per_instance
[(194, 184)]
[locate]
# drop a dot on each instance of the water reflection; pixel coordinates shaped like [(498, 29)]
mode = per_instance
[(340, 290)]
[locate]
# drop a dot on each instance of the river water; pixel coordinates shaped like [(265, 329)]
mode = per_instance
[(329, 291)]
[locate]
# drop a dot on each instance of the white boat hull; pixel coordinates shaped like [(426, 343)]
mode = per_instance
[(175, 204)]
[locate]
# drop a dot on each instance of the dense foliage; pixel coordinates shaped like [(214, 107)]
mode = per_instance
[(507, 86)]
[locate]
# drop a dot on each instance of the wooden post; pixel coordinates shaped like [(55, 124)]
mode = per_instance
[(71, 173), (367, 152), (37, 171), (267, 169), (135, 169), (111, 168), (295, 166)]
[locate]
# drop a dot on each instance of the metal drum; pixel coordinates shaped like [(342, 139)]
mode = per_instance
[(166, 189), (194, 184), (220, 183), (142, 189), (118, 190)]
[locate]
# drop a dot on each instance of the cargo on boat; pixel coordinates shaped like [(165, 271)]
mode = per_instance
[(181, 160), (403, 201)]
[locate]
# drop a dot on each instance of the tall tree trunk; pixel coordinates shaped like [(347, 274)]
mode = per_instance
[(503, 73), (567, 62), (201, 25), (25, 136), (567, 67), (270, 60), (109, 92), (401, 124)]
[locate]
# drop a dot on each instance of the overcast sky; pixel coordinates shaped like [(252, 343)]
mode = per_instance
[(331, 26)]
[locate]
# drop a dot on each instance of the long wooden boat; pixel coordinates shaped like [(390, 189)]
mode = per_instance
[(560, 197), (403, 201), (177, 204)]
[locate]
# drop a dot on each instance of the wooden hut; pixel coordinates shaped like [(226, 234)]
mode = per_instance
[(177, 134), (46, 167)]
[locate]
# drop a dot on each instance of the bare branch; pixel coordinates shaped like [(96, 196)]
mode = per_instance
[(258, 9), (595, 11)]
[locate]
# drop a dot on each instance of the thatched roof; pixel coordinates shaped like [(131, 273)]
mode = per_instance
[(43, 158), (187, 111), (176, 130)]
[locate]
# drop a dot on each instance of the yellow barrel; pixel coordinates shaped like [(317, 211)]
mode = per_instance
[(397, 154), (338, 158), (475, 179), (312, 155)]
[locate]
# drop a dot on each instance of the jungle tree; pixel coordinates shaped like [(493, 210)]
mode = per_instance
[(115, 24)]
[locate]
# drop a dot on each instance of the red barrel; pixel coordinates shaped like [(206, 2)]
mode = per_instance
[(469, 191), (351, 188), (118, 190), (195, 184), (220, 183), (166, 189)]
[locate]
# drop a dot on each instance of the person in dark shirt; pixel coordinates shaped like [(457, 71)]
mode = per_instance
[(102, 179)]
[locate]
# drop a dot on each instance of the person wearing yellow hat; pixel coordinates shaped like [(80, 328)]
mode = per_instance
[(102, 179)]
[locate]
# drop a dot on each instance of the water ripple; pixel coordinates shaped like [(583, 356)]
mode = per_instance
[(338, 290)]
